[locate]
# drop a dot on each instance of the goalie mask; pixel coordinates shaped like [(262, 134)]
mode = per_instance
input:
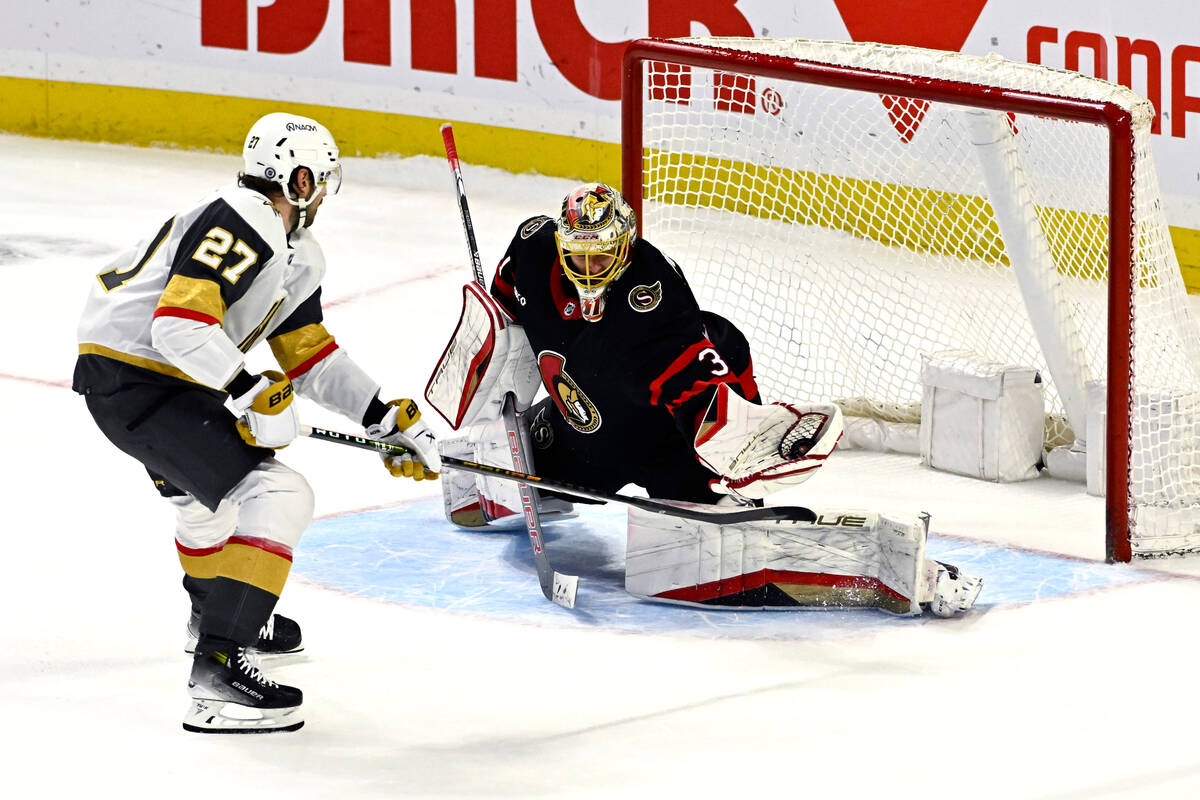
[(594, 234), (279, 144)]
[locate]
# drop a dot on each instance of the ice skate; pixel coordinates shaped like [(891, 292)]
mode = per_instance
[(952, 593), (230, 694), (279, 637)]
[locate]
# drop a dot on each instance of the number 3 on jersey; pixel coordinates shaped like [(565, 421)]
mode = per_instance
[(213, 249), (719, 365)]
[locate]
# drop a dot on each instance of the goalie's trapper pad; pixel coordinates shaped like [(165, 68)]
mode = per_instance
[(758, 449), (487, 357)]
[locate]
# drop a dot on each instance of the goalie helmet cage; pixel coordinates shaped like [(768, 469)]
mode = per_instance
[(854, 206)]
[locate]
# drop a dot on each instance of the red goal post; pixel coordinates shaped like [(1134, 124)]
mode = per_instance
[(694, 124)]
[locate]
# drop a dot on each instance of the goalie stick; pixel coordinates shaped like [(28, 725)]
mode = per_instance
[(464, 212), (762, 514), (558, 588)]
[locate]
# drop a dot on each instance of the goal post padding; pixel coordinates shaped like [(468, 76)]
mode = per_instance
[(836, 200)]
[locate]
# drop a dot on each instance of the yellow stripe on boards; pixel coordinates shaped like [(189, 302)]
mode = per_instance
[(159, 117)]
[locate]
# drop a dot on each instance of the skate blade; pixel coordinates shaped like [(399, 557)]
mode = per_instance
[(219, 716)]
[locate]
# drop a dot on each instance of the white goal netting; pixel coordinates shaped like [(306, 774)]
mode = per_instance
[(848, 233)]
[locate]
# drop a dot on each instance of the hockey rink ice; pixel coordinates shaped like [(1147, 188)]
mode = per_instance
[(433, 666)]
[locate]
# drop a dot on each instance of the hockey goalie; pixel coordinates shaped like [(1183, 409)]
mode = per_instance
[(642, 387)]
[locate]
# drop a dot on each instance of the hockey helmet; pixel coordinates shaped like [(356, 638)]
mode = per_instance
[(594, 233), (280, 143)]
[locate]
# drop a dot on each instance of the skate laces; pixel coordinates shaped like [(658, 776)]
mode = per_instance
[(250, 665)]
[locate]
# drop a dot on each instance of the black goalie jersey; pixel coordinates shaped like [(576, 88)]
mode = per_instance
[(630, 389)]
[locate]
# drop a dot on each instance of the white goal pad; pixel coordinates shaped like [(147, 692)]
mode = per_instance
[(845, 559), (488, 356)]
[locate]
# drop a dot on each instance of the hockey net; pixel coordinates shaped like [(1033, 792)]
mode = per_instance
[(853, 207)]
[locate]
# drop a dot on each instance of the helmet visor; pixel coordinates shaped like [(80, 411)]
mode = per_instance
[(331, 179)]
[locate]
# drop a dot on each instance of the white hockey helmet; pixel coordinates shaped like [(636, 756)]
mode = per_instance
[(596, 226), (280, 143)]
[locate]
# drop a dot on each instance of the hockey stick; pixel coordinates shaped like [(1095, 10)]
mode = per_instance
[(460, 189), (557, 587), (763, 514)]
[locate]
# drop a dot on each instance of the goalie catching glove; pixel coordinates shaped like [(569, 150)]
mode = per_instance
[(402, 425), (267, 417), (757, 449)]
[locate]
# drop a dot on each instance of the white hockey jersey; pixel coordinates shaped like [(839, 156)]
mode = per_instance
[(213, 282)]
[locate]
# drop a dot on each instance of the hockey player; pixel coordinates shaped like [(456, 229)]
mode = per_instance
[(645, 388), (162, 343), (630, 362)]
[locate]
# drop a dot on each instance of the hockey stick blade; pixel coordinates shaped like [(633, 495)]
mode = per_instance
[(763, 514)]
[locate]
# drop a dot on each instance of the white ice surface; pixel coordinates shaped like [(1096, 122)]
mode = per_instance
[(1090, 695)]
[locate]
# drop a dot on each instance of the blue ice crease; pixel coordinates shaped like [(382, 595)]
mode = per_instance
[(410, 555)]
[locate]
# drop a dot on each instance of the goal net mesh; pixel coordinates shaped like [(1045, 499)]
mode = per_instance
[(849, 233)]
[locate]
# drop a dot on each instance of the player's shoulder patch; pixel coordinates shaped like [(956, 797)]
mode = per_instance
[(643, 297), (532, 226)]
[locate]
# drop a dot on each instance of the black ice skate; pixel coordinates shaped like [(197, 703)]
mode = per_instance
[(230, 694), (279, 637)]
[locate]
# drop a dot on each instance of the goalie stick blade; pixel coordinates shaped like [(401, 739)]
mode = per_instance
[(563, 591)]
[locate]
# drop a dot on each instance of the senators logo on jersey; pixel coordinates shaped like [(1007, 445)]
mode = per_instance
[(645, 298), (572, 403)]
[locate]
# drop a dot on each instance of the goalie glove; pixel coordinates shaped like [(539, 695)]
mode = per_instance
[(267, 417), (757, 449), (402, 425)]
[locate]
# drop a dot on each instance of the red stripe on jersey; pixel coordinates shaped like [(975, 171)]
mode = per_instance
[(501, 285), (312, 362), (748, 384), (186, 313), (675, 368), (727, 587), (267, 545)]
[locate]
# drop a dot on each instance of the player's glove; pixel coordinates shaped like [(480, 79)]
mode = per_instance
[(267, 417), (402, 425)]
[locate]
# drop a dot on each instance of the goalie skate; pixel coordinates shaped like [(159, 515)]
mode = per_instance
[(279, 637), (230, 694), (951, 592)]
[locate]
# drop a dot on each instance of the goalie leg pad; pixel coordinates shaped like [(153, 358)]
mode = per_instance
[(483, 501), (845, 559)]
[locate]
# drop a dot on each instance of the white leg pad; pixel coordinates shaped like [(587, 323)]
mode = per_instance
[(481, 501), (845, 559)]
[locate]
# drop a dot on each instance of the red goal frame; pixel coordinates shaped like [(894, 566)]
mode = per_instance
[(1118, 121)]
